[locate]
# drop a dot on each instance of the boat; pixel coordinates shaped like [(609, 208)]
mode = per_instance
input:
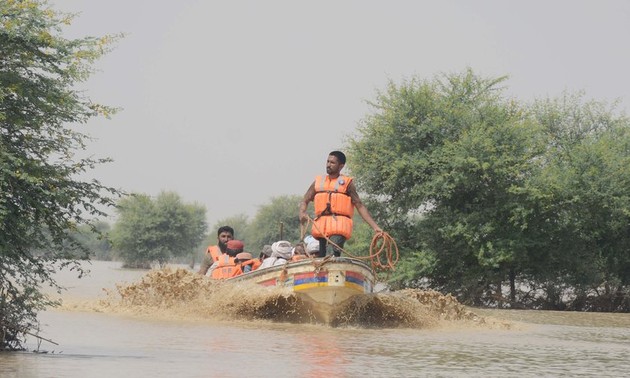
[(323, 284)]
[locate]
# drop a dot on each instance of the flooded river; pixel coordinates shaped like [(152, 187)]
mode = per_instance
[(140, 329)]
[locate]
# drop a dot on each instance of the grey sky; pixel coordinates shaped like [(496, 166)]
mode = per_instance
[(230, 103)]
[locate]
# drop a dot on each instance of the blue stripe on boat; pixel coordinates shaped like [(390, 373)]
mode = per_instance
[(310, 280), (355, 280)]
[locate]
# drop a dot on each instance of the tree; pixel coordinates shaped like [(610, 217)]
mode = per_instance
[(582, 201), (97, 244), (240, 224), (42, 199), (452, 150), (275, 221), (157, 230), (480, 190)]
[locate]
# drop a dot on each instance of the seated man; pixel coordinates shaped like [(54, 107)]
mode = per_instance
[(225, 266), (265, 253), (280, 254), (224, 234), (309, 248), (312, 246), (299, 252)]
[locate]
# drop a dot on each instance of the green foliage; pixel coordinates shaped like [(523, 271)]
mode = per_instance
[(157, 230), (96, 243), (413, 269), (450, 149), (42, 199), (583, 190), (478, 189), (359, 243), (240, 224), (406, 134), (276, 221)]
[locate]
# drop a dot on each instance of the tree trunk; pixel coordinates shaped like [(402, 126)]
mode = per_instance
[(499, 294), (512, 287)]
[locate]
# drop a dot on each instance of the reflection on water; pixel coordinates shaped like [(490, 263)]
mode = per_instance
[(162, 336)]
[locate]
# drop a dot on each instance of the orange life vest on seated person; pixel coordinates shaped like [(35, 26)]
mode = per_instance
[(225, 268), (299, 258), (240, 267), (333, 207), (214, 252)]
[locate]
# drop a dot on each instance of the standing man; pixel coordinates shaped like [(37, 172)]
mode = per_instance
[(224, 234), (335, 198)]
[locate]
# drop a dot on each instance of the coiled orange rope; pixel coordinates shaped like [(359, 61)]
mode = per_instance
[(384, 252)]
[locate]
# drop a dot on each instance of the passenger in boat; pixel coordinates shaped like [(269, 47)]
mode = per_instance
[(299, 252), (312, 246), (280, 253), (335, 197), (307, 249), (224, 234), (245, 263), (225, 266), (265, 253)]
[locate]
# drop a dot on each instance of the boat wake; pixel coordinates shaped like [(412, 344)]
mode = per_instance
[(184, 295)]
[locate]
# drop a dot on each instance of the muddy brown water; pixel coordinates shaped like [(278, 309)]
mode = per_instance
[(172, 323)]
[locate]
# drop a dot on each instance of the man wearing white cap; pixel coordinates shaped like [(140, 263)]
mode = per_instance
[(281, 252)]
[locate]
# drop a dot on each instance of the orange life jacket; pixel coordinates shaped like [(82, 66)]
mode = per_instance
[(225, 268), (214, 252), (240, 267), (299, 257), (333, 207)]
